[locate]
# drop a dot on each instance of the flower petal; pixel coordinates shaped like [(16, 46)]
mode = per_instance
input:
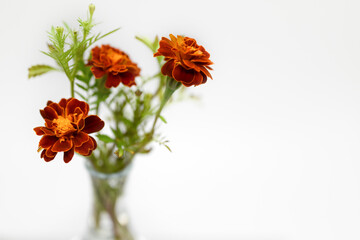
[(39, 131), (204, 78), (128, 79), (94, 142), (48, 155), (48, 123), (59, 110), (86, 148), (192, 65), (68, 155), (81, 124), (49, 113), (80, 138), (47, 141), (48, 131), (73, 104), (166, 49), (63, 102), (62, 145), (118, 69), (98, 72), (206, 72), (112, 80), (168, 68), (93, 124), (180, 74), (198, 79)]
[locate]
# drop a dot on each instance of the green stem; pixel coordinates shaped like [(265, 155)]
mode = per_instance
[(161, 85), (106, 198), (72, 88), (109, 207), (171, 86), (100, 93)]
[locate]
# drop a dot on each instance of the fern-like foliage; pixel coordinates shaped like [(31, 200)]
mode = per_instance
[(67, 47)]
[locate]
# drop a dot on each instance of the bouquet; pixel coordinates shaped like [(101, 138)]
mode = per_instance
[(104, 80)]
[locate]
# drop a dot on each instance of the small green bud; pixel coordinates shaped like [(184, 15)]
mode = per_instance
[(91, 9), (59, 30), (119, 152)]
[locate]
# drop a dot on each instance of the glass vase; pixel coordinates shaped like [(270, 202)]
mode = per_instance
[(108, 219)]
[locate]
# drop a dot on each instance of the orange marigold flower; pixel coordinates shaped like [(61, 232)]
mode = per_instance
[(186, 61), (115, 64), (67, 126)]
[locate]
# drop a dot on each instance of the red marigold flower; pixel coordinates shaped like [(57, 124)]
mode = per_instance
[(66, 129), (186, 61), (115, 64)]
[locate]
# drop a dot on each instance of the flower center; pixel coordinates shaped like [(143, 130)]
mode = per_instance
[(114, 56), (62, 126)]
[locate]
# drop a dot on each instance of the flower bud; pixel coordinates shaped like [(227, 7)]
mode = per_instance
[(138, 93), (59, 30), (91, 9)]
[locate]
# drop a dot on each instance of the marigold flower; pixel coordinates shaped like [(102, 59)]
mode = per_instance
[(186, 61), (66, 129), (115, 64)]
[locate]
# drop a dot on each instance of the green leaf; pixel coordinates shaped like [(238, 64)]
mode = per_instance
[(167, 147), (126, 121), (155, 44), (81, 95), (145, 150), (38, 70), (81, 86), (147, 43), (98, 37), (162, 119), (117, 133), (105, 138), (81, 78)]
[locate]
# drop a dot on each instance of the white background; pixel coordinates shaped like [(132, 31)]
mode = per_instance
[(270, 153)]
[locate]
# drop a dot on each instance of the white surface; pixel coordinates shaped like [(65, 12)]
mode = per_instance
[(271, 152)]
